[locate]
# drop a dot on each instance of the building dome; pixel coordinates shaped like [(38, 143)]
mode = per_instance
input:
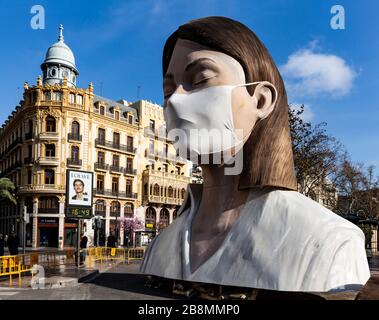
[(59, 63)]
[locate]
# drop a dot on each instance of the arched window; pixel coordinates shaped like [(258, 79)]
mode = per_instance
[(170, 192), (49, 176), (100, 208), (164, 218), (50, 150), (115, 209), (156, 189), (128, 210), (50, 124), (182, 193), (75, 128), (75, 153), (150, 217)]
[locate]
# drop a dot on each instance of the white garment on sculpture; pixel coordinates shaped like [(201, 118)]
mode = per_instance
[(282, 240)]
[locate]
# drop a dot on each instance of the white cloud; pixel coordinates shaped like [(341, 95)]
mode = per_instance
[(307, 115), (309, 73)]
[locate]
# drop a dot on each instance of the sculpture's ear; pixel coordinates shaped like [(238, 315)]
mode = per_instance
[(265, 95)]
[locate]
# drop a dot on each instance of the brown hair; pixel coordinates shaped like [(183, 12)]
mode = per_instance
[(267, 154)]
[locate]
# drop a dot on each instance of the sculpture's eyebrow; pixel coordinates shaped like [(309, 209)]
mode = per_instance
[(192, 64), (189, 66)]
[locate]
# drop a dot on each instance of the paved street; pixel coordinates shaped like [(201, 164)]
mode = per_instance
[(119, 283)]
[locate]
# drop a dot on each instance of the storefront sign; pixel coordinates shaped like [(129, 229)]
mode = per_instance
[(149, 225), (48, 220)]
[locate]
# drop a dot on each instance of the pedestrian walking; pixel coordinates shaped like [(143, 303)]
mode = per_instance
[(83, 246), (12, 243), (111, 241)]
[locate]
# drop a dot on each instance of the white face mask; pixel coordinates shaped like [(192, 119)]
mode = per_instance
[(205, 118)]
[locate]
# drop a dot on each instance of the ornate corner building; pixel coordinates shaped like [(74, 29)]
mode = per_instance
[(58, 126)]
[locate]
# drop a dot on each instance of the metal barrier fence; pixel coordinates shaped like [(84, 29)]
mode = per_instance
[(105, 254), (18, 265)]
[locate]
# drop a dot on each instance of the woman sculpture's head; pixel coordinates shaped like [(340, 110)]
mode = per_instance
[(226, 52)]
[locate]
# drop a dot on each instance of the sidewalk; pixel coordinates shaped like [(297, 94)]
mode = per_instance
[(66, 275)]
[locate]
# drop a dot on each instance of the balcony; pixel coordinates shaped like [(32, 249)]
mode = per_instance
[(157, 133), (130, 171), (16, 142), (176, 159), (29, 135), (101, 166), (48, 210), (48, 188), (115, 194), (72, 162), (49, 136), (29, 161), (101, 143), (14, 166), (163, 200), (116, 169), (48, 161), (168, 175), (74, 137)]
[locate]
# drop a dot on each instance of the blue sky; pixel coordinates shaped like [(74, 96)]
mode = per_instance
[(118, 46)]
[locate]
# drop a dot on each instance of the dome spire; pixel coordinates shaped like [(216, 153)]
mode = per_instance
[(61, 38)]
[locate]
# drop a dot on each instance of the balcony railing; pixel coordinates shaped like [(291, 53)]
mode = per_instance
[(16, 142), (16, 165), (116, 169), (74, 162), (163, 174), (42, 187), (118, 194), (48, 210), (49, 135), (165, 200), (48, 160), (116, 146), (101, 166), (74, 137), (176, 159), (130, 171)]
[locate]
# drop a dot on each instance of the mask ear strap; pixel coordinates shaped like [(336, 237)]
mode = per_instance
[(250, 83)]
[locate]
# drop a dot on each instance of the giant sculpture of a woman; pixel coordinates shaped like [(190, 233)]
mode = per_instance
[(251, 229)]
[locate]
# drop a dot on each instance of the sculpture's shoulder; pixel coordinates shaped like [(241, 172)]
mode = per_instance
[(163, 255), (309, 216)]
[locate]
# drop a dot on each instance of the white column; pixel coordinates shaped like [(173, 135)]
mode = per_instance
[(35, 223), (61, 225)]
